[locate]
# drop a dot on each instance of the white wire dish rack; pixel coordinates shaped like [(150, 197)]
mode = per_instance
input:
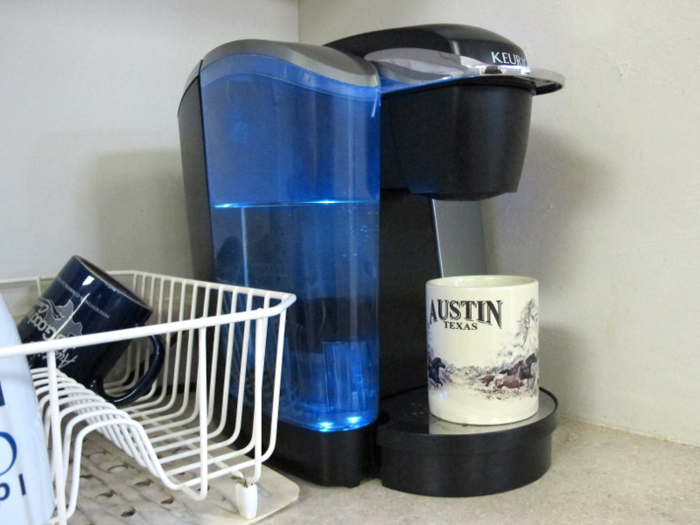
[(175, 431)]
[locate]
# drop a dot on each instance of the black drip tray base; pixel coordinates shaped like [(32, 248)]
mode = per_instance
[(421, 454)]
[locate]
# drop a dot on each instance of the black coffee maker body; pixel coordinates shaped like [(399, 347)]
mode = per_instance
[(452, 124)]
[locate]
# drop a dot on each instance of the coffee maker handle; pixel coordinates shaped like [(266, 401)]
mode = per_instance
[(144, 383)]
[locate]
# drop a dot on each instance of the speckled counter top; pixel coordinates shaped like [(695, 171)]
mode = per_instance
[(598, 476)]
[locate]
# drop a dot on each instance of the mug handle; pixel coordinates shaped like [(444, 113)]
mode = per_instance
[(146, 381)]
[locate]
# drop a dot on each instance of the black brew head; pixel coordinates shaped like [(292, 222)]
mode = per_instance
[(456, 107)]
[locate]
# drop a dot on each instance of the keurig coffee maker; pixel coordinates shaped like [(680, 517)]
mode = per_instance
[(315, 170)]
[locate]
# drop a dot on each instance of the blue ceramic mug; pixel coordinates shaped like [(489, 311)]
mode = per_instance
[(82, 300)]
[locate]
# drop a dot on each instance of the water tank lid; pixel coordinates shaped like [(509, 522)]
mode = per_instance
[(321, 60)]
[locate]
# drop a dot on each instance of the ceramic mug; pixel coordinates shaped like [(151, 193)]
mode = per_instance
[(26, 490), (82, 300), (483, 348)]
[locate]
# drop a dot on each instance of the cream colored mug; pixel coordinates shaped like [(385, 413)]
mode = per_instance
[(483, 348)]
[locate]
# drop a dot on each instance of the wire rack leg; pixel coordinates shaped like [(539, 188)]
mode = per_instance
[(247, 500)]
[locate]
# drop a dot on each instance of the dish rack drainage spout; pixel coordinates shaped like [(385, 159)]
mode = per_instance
[(220, 339)]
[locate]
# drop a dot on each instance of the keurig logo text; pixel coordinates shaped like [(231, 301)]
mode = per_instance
[(501, 57)]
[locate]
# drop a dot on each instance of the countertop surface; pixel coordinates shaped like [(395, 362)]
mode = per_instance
[(598, 476)]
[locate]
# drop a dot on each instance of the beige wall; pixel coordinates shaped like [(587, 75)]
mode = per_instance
[(89, 145), (607, 215)]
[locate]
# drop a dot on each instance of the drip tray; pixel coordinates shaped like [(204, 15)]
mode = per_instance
[(421, 454)]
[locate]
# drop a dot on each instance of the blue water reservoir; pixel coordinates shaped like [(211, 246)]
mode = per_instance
[(291, 134)]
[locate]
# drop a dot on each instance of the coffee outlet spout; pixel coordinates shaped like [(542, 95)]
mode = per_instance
[(455, 120)]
